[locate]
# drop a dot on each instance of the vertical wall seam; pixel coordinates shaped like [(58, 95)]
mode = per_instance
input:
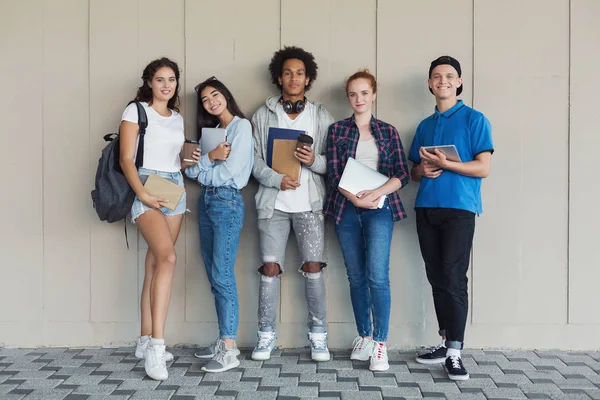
[(43, 197), (471, 283), (569, 165), (90, 158), (137, 248), (376, 49), (185, 218)]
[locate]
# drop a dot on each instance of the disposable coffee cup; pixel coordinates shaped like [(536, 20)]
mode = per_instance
[(189, 146), (304, 140)]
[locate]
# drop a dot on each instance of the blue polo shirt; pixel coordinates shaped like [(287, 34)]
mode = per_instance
[(471, 133)]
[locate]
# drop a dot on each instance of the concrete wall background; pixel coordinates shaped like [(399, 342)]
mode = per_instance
[(70, 66)]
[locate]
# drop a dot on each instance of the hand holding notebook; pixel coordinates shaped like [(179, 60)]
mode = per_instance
[(159, 186)]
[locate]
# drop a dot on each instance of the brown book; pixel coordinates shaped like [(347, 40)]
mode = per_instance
[(284, 161), (161, 187)]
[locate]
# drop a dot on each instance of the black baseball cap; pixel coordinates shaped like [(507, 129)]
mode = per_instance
[(447, 60)]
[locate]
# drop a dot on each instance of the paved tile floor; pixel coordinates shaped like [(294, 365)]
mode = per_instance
[(114, 373)]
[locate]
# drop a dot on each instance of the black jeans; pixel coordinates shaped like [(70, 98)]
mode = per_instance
[(446, 238)]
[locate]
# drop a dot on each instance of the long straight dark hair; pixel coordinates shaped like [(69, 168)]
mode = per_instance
[(206, 120)]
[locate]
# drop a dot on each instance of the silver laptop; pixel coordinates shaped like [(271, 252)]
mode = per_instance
[(211, 138), (357, 177)]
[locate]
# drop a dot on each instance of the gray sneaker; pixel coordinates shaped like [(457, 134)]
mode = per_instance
[(224, 359), (265, 346), (208, 352), (318, 346)]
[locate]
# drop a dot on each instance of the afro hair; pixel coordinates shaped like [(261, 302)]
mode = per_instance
[(292, 52)]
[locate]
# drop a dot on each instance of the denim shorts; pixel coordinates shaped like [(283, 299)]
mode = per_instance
[(138, 208)]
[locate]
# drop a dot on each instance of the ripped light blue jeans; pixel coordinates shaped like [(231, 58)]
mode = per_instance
[(309, 228)]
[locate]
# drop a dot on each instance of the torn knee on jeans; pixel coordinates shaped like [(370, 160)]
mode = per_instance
[(270, 269), (313, 266)]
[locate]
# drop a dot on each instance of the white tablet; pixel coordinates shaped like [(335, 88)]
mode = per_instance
[(448, 150)]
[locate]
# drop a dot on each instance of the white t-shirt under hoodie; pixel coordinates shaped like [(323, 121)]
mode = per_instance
[(163, 140), (296, 200)]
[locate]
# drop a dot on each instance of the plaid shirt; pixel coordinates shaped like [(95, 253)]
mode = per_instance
[(342, 141)]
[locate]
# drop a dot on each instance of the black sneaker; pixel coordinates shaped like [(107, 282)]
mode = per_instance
[(436, 355), (455, 368)]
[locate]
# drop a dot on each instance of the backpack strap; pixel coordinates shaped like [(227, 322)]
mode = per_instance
[(143, 124)]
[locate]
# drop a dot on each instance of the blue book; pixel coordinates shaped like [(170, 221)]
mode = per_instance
[(279, 133)]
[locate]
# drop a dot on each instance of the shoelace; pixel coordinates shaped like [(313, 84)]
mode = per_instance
[(160, 357), (455, 360), (436, 348), (318, 340), (220, 353), (379, 352), (359, 344), (265, 339)]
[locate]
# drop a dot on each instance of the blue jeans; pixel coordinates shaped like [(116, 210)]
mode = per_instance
[(365, 237), (220, 219)]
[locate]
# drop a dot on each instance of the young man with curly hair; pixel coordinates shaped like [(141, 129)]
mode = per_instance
[(283, 203)]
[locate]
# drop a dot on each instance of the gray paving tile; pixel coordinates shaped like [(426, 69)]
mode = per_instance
[(152, 394), (238, 386), (253, 396), (278, 382), (84, 380), (196, 390), (361, 396), (376, 381), (299, 391), (144, 385), (407, 377), (338, 386), (318, 377), (440, 387), (231, 376), (33, 375), (48, 394), (399, 392), (504, 393), (40, 384), (95, 389), (466, 396)]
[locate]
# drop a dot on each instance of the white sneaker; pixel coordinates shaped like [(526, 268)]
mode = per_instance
[(142, 345), (224, 359), (379, 357), (265, 345), (318, 346), (362, 348), (155, 365)]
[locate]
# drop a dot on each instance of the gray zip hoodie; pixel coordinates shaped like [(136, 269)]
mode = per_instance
[(270, 181)]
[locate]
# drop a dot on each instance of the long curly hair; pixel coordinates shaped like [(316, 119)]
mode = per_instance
[(144, 92), (292, 52)]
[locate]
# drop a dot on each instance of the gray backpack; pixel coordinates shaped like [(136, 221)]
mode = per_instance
[(113, 197)]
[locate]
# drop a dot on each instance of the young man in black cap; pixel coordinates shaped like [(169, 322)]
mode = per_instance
[(449, 197)]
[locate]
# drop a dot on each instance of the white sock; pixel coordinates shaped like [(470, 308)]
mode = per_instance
[(144, 338), (157, 342), (453, 352), (444, 342)]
